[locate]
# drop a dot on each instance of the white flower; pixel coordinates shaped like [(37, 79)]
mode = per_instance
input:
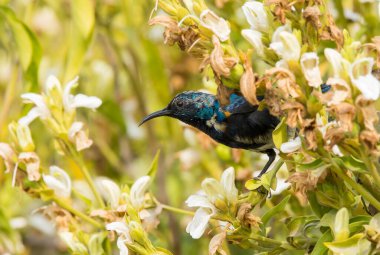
[(361, 76), (216, 192), (254, 38), (59, 181), (309, 64), (216, 24), (138, 189), (285, 44), (39, 111), (122, 230), (335, 60), (70, 102), (78, 136), (109, 190), (256, 15), (199, 223), (291, 146)]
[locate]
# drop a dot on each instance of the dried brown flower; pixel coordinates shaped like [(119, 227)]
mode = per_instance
[(333, 136), (32, 163), (303, 182), (309, 131), (295, 112), (246, 217), (220, 64), (370, 139), (312, 14), (368, 111), (280, 9), (8, 155), (185, 37), (332, 32), (285, 81), (59, 216), (247, 83), (216, 242), (345, 114)]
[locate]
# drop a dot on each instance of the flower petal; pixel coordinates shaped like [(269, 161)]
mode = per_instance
[(254, 38), (67, 98), (335, 60), (109, 190), (216, 24), (291, 146), (228, 182), (138, 190), (309, 65), (256, 15), (199, 201), (120, 227), (213, 189), (361, 76), (122, 247), (79, 136), (59, 181), (33, 114), (90, 102), (39, 101), (199, 223)]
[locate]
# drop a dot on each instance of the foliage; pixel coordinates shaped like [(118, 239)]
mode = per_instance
[(93, 182)]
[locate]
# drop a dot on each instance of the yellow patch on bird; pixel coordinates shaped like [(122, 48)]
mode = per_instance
[(227, 113)]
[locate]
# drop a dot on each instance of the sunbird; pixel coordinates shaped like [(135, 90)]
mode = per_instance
[(237, 125)]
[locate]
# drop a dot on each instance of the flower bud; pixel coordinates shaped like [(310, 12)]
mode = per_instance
[(256, 15), (254, 38), (310, 69), (22, 137), (228, 183)]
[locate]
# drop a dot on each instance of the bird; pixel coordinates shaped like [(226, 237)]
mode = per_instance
[(238, 125)]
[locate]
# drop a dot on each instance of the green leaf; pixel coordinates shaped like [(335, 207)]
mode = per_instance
[(29, 49), (354, 164), (320, 248), (83, 12), (275, 210), (154, 166), (348, 246), (280, 134), (253, 184), (311, 165)]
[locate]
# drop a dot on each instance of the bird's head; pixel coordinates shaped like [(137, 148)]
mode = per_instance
[(189, 107)]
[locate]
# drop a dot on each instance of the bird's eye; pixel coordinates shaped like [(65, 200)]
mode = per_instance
[(179, 103)]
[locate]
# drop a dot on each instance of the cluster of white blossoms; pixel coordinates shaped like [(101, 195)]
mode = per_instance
[(215, 198)]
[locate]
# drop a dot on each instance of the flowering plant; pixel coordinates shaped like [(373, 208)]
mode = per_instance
[(314, 64)]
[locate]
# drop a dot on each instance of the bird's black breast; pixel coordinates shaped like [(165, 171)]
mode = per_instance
[(250, 130)]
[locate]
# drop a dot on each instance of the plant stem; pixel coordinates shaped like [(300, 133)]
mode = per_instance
[(81, 215), (360, 189), (186, 212), (87, 176)]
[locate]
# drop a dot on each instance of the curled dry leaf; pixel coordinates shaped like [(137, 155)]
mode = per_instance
[(285, 81)]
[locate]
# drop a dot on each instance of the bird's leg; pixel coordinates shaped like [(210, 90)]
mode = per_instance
[(272, 156)]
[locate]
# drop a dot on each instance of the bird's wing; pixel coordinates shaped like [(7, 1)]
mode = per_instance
[(238, 105), (262, 120)]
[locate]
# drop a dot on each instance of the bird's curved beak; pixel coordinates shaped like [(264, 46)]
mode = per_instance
[(163, 112)]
